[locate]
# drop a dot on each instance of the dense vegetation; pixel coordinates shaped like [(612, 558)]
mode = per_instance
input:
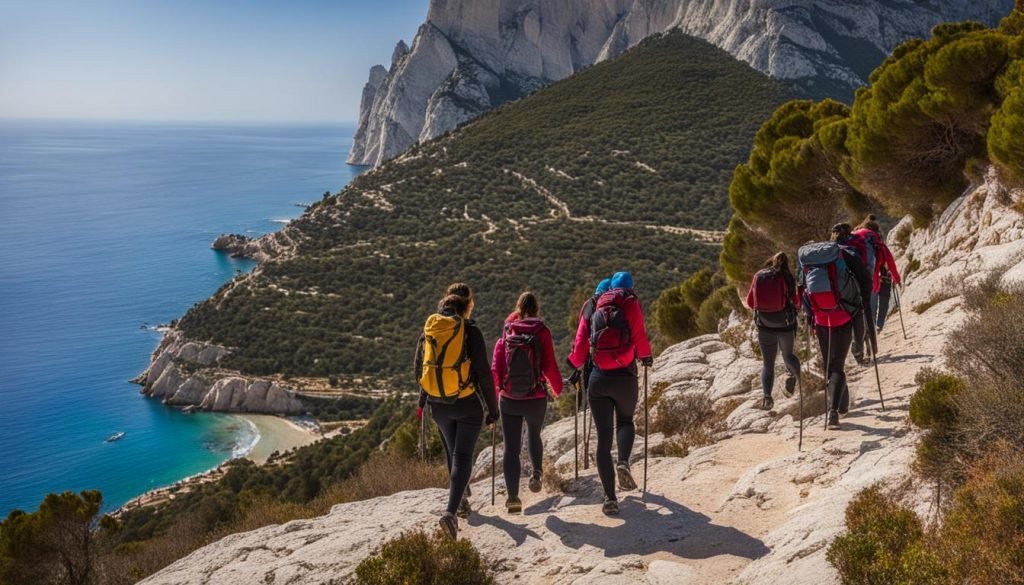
[(416, 557), (549, 193), (694, 307), (973, 421), (935, 114)]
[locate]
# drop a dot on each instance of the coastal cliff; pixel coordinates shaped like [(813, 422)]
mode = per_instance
[(469, 56), (749, 508), (185, 373)]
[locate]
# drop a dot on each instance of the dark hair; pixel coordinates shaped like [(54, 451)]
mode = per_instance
[(527, 306), (871, 223), (461, 289), (457, 303), (779, 262)]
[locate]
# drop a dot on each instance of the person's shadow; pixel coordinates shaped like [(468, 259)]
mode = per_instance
[(667, 527)]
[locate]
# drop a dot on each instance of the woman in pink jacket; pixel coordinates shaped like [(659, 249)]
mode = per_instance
[(524, 367), (884, 274), (616, 338)]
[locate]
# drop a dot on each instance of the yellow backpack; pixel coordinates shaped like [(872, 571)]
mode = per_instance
[(446, 373)]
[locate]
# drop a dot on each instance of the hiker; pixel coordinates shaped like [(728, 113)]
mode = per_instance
[(524, 359), (835, 288), (843, 234), (884, 276), (455, 378), (774, 299), (615, 337), (585, 314)]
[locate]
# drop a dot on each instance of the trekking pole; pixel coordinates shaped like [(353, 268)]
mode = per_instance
[(646, 430), (586, 432), (576, 430), (825, 369), (899, 309), (494, 465), (878, 379), (421, 446), (800, 380)]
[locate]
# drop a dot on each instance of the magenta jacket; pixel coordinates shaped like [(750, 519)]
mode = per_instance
[(640, 348), (883, 256), (548, 363)]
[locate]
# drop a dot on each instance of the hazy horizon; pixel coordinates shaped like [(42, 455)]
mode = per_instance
[(234, 61)]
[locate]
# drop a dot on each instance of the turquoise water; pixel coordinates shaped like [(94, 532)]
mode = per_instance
[(105, 231)]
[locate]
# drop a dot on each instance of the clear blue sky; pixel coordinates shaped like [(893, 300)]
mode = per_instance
[(230, 60)]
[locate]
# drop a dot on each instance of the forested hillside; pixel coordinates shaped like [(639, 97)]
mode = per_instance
[(607, 170)]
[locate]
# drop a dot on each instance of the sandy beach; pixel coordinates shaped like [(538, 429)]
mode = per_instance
[(277, 434)]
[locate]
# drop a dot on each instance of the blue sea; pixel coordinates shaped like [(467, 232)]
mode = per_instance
[(105, 232)]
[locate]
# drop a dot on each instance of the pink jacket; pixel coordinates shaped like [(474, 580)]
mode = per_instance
[(883, 257), (548, 363), (640, 347)]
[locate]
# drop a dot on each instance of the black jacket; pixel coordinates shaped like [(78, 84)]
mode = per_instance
[(479, 367)]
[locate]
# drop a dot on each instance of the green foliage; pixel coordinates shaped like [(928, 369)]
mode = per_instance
[(884, 544), (53, 545), (1004, 135), (340, 408), (642, 141), (415, 558), (933, 406), (927, 113), (695, 306)]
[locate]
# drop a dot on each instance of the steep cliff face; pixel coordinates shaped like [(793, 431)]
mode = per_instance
[(748, 509), (471, 56), (185, 373)]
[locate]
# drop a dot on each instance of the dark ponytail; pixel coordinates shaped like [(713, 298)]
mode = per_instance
[(779, 262), (870, 223), (527, 306), (455, 303)]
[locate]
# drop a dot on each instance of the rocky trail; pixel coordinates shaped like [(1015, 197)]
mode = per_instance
[(749, 508)]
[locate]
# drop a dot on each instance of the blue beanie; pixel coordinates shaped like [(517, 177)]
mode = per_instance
[(603, 286), (622, 280)]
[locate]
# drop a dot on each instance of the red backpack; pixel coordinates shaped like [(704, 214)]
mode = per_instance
[(609, 329), (773, 306), (522, 358)]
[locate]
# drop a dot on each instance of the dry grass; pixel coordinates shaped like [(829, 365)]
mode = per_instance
[(690, 421), (552, 480)]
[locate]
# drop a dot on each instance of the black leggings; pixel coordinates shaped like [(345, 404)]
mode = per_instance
[(771, 343), (835, 345), (513, 413), (613, 397), (460, 425)]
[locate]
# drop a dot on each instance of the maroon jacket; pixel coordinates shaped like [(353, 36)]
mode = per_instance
[(548, 363)]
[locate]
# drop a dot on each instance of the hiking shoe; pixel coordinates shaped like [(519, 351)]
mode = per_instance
[(465, 510), (626, 481), (514, 505), (833, 419), (790, 387), (450, 526), (535, 484), (610, 507), (861, 360), (767, 403)]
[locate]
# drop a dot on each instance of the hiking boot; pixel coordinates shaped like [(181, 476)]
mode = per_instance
[(535, 484), (790, 387), (861, 360), (465, 510), (833, 419), (449, 526), (610, 507), (626, 481), (514, 505), (767, 403)]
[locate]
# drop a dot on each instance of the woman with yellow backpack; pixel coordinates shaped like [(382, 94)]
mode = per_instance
[(455, 378)]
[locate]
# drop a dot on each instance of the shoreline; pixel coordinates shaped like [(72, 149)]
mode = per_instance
[(277, 434), (274, 433)]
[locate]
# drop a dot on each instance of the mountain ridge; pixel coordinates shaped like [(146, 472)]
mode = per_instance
[(469, 57)]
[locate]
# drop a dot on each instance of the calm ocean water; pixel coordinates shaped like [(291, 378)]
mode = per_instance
[(105, 233)]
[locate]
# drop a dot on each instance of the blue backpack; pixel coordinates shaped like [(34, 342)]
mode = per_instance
[(827, 279)]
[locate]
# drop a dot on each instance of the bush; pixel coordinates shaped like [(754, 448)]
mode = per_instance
[(885, 544), (695, 306), (933, 407), (415, 558)]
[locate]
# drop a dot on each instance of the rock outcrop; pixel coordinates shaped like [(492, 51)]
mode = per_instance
[(186, 373), (748, 509), (470, 56), (261, 249)]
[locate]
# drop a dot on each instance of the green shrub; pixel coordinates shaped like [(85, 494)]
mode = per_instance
[(414, 558), (694, 307), (673, 317), (884, 544), (933, 406), (717, 307)]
